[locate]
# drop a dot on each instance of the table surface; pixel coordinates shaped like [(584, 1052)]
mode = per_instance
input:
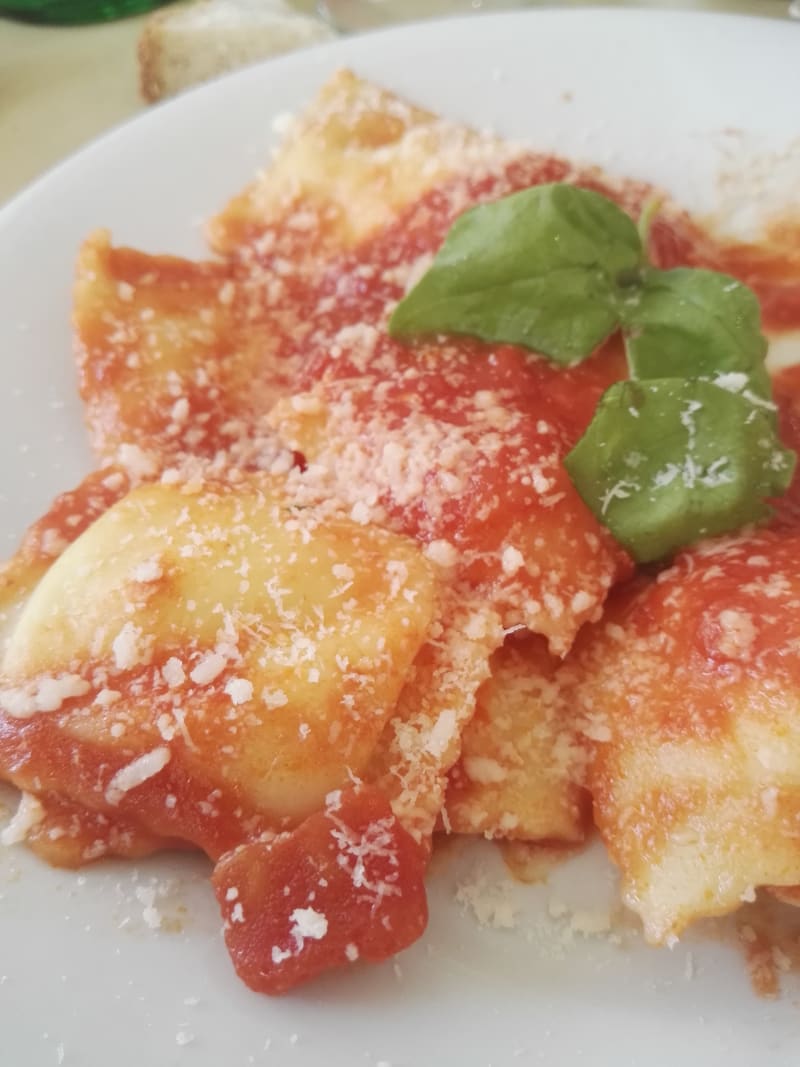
[(62, 86)]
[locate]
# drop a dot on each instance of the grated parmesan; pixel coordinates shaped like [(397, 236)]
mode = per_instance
[(29, 814), (240, 690), (207, 668), (47, 693), (135, 773), (127, 647)]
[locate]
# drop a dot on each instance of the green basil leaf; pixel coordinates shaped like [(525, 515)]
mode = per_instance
[(688, 448), (667, 461), (538, 268), (694, 324)]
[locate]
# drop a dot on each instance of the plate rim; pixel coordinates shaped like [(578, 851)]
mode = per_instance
[(153, 113), (27, 200)]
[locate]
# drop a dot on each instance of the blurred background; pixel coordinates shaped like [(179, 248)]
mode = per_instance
[(71, 69)]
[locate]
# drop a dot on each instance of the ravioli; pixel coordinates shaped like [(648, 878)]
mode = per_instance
[(173, 361), (207, 661), (422, 740), (463, 451), (322, 596), (357, 144), (66, 519), (522, 767), (690, 692)]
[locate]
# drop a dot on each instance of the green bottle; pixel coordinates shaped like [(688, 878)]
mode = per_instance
[(71, 12)]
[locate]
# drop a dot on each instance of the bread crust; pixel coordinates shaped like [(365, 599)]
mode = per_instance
[(177, 49), (148, 52)]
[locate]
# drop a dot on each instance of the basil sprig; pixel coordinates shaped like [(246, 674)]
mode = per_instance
[(689, 447)]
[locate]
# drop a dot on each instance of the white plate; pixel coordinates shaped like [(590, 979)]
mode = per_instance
[(83, 980)]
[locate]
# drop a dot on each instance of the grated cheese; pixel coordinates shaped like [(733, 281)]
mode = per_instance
[(208, 667), (442, 552), (127, 647), (46, 694), (173, 673), (274, 698), (512, 560), (147, 571), (136, 773), (443, 733), (240, 690), (489, 902), (484, 770), (307, 924), (28, 815), (738, 633)]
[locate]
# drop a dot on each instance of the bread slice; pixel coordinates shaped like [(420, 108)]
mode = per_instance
[(190, 43)]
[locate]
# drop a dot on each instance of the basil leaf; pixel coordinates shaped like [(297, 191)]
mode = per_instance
[(667, 461), (538, 268), (686, 449), (693, 324)]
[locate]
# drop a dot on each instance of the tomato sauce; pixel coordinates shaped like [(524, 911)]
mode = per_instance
[(43, 756), (285, 329), (346, 885)]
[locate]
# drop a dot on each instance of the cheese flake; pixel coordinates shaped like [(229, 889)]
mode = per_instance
[(173, 673), (47, 693), (442, 733), (484, 770), (207, 668), (240, 690), (442, 552), (29, 814), (126, 647), (308, 924), (149, 570), (274, 698), (135, 773)]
